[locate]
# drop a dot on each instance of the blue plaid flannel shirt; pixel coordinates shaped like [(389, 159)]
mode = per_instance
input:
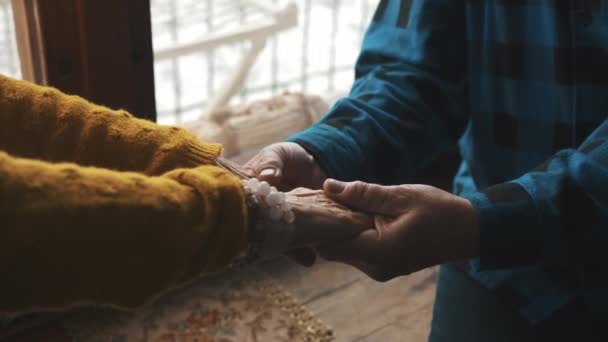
[(522, 87)]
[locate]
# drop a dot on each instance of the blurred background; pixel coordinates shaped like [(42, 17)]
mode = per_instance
[(314, 55), (9, 57)]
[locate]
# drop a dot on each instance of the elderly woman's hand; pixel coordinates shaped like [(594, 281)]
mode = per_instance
[(320, 220), (297, 221)]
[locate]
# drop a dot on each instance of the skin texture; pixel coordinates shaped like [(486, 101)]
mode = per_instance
[(416, 226), (319, 219), (288, 166)]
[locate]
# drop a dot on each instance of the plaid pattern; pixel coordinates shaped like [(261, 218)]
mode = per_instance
[(522, 86)]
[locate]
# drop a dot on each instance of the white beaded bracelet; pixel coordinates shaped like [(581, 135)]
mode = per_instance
[(272, 226), (274, 200)]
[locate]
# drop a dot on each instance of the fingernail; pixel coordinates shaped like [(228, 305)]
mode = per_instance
[(334, 186), (267, 173)]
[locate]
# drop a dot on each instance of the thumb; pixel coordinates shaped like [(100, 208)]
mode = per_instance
[(359, 195)]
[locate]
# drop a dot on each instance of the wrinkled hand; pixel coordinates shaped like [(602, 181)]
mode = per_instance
[(288, 166), (416, 226), (321, 220)]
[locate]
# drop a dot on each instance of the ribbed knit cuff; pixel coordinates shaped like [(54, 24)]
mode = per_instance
[(196, 152)]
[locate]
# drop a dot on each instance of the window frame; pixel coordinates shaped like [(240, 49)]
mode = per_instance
[(100, 50)]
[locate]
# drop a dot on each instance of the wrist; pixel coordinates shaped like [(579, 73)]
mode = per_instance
[(270, 221), (318, 174)]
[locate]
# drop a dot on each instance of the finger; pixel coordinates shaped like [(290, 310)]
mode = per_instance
[(303, 256), (268, 165), (362, 196), (364, 247)]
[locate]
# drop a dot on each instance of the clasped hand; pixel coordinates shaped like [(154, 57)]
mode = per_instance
[(384, 231)]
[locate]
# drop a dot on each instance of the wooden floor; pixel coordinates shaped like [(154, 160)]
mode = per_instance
[(359, 308)]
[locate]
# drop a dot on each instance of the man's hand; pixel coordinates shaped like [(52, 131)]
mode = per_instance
[(287, 166), (416, 226)]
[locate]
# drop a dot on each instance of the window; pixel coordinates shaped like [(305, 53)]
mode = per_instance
[(315, 55), (9, 56)]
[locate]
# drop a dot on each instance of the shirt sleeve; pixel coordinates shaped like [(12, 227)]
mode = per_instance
[(556, 214), (408, 101)]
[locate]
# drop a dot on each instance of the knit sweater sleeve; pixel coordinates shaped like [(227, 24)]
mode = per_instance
[(43, 123), (75, 234)]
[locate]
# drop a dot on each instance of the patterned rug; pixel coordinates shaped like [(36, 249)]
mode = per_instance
[(238, 306)]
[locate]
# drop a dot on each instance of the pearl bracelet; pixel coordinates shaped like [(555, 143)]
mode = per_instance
[(274, 201), (272, 228)]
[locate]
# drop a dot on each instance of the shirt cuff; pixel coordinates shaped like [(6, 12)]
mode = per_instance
[(510, 233)]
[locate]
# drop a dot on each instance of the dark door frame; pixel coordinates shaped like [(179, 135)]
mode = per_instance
[(100, 50)]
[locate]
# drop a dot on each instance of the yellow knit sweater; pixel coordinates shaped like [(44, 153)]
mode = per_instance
[(98, 206)]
